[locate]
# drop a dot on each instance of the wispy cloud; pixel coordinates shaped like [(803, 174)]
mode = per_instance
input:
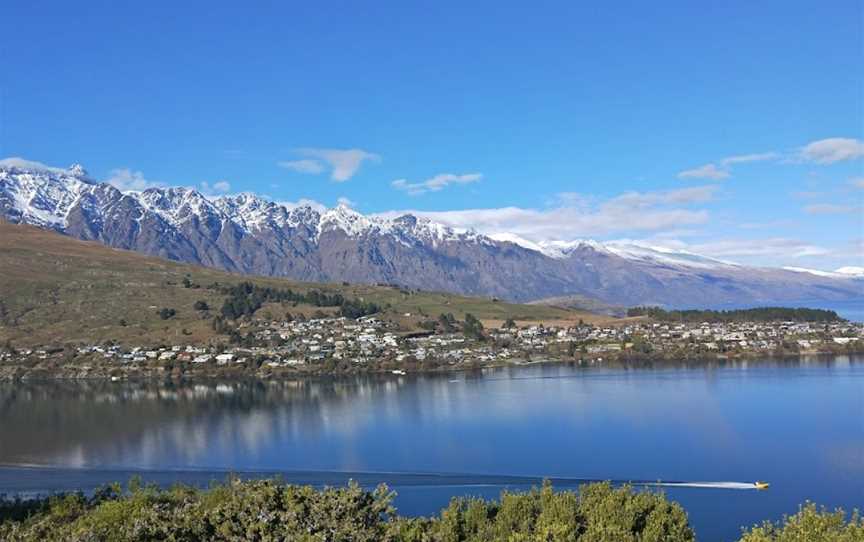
[(832, 209), (21, 163), (436, 183), (693, 194), (765, 225), (823, 151), (303, 166), (575, 215), (808, 194), (831, 150), (723, 171), (127, 179), (857, 182), (773, 247), (747, 158), (219, 187), (708, 171), (342, 163)]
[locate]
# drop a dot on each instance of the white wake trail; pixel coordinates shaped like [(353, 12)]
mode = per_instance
[(709, 485)]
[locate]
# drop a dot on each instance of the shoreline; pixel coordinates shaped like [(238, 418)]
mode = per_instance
[(13, 373)]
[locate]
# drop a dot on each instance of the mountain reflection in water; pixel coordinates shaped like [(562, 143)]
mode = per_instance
[(798, 424)]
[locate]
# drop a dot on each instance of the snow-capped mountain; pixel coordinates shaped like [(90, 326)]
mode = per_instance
[(248, 234)]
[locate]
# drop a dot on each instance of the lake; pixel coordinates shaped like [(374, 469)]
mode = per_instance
[(797, 424)]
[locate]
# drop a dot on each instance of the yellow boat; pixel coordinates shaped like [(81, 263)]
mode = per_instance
[(761, 485)]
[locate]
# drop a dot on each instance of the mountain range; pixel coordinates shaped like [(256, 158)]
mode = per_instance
[(248, 234)]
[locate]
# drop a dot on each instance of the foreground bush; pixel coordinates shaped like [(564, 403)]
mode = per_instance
[(810, 524), (267, 510)]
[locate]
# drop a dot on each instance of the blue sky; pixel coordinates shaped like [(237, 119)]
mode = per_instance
[(552, 120)]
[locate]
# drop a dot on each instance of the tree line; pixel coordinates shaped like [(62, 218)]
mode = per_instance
[(245, 298), (761, 314)]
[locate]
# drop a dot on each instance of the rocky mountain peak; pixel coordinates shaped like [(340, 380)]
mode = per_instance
[(77, 170)]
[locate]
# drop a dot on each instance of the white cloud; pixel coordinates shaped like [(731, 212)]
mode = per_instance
[(345, 201), (765, 225), (747, 158), (857, 182), (712, 171), (343, 163), (126, 179), (834, 149), (694, 194), (436, 183), (21, 163), (772, 247), (574, 216), (832, 209), (303, 166), (219, 187), (808, 194), (708, 171)]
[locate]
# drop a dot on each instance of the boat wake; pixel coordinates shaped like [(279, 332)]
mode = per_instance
[(707, 485), (26, 479)]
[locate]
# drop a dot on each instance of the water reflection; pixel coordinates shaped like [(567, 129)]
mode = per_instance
[(797, 423), (242, 423)]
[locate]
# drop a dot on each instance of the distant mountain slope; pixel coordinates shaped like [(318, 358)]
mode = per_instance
[(54, 288), (247, 234)]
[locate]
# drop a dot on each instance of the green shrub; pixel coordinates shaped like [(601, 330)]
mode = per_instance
[(811, 524), (270, 510)]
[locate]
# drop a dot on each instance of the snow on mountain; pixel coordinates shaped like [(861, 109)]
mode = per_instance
[(43, 197), (663, 255), (349, 221), (175, 205), (631, 250), (504, 237), (252, 213)]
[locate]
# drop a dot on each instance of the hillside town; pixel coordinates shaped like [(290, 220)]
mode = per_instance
[(373, 343)]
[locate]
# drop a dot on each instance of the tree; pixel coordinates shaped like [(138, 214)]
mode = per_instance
[(166, 313), (510, 323), (447, 322), (220, 326), (201, 305), (473, 328)]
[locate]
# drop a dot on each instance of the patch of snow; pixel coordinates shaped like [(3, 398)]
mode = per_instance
[(505, 237)]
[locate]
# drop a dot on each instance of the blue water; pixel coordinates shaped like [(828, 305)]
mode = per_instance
[(797, 424)]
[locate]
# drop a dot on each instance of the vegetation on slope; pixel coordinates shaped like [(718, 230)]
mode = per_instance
[(761, 314), (55, 289), (268, 510)]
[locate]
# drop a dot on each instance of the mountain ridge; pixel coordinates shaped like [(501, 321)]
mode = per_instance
[(248, 234)]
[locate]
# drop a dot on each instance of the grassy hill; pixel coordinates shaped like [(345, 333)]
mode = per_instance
[(55, 289)]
